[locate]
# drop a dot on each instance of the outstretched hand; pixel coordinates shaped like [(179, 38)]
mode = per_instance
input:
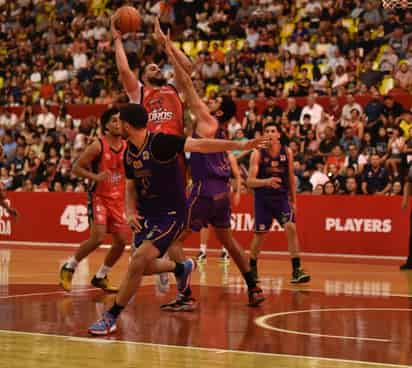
[(260, 142), (159, 34)]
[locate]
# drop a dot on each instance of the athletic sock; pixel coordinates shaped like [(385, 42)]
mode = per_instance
[(250, 279), (295, 263), (116, 310), (179, 269), (72, 263), (203, 248), (102, 272)]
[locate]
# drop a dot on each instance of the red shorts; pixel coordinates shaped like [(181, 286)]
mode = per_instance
[(108, 212)]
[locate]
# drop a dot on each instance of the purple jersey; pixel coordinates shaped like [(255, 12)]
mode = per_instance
[(210, 171), (277, 166), (159, 184)]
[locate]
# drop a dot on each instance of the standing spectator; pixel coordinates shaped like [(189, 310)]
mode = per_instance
[(314, 110), (375, 178)]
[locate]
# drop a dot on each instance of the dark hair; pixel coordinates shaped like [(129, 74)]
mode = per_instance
[(306, 116), (272, 125), (228, 108), (134, 114), (106, 116)]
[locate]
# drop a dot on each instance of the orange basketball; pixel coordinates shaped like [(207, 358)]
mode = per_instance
[(128, 20)]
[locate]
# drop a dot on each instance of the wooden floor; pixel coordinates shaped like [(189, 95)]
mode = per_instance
[(354, 313)]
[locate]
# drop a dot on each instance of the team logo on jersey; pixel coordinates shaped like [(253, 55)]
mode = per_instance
[(282, 158), (146, 155), (157, 111), (137, 164)]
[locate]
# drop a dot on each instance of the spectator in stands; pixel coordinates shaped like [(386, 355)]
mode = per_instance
[(375, 178), (351, 186), (329, 188), (396, 146), (355, 159), (348, 107), (349, 139), (314, 110), (405, 123), (318, 177), (403, 76)]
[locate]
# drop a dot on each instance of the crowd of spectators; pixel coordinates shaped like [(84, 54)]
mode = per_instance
[(59, 52)]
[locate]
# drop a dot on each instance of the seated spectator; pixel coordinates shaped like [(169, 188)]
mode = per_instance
[(375, 178), (406, 123), (391, 110), (293, 111), (329, 188), (349, 139), (273, 110), (337, 157), (396, 146), (404, 76), (396, 189), (318, 177), (355, 159), (357, 124), (314, 110), (351, 187), (233, 127), (348, 107)]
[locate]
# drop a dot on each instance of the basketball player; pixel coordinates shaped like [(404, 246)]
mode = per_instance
[(204, 232), (406, 194), (209, 201), (4, 201), (102, 163), (155, 203), (161, 101), (271, 175)]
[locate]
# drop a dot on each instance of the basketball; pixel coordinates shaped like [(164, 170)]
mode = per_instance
[(128, 20)]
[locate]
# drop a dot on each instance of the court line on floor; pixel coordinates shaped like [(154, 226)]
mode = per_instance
[(210, 350), (327, 255), (47, 293), (262, 322)]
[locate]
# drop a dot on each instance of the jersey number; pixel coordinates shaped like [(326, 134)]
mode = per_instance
[(75, 218)]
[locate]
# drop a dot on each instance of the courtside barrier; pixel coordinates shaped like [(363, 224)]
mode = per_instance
[(366, 225)]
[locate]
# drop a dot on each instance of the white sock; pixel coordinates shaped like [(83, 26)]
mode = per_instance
[(103, 270), (224, 250), (203, 248), (72, 263)]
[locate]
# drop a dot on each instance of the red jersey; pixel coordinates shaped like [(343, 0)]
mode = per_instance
[(164, 108), (110, 160)]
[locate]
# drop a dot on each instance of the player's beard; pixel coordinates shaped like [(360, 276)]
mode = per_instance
[(157, 81)]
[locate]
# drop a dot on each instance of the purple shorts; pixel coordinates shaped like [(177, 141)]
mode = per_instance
[(162, 231), (202, 211), (268, 209)]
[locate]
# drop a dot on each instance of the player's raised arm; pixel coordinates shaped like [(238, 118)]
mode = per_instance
[(206, 145), (207, 125), (129, 80), (82, 165), (180, 56)]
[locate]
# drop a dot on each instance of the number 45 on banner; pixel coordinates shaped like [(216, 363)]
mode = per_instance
[(75, 218)]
